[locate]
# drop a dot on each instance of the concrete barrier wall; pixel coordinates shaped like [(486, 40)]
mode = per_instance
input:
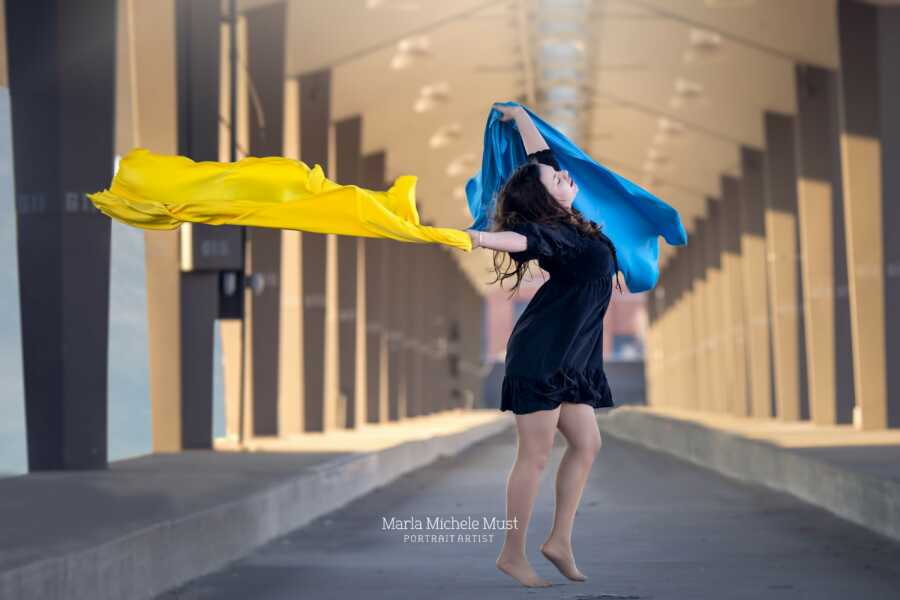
[(862, 498)]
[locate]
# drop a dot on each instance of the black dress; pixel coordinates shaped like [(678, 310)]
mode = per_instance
[(555, 351)]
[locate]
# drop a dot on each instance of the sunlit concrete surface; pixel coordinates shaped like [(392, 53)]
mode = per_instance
[(854, 474), (649, 526), (370, 437), (802, 434)]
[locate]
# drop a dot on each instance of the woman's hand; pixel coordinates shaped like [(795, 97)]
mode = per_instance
[(508, 112)]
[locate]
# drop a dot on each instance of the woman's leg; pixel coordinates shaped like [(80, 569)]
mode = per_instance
[(536, 432), (578, 424)]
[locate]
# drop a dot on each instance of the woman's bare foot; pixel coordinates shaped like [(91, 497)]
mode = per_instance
[(519, 569), (561, 557)]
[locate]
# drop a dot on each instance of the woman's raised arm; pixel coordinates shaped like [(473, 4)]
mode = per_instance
[(506, 241), (531, 137)]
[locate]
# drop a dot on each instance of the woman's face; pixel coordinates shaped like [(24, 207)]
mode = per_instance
[(559, 184)]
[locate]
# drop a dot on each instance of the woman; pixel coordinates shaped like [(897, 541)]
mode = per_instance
[(554, 364)]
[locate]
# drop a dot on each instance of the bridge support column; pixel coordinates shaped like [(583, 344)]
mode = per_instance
[(320, 402), (756, 309), (265, 65), (732, 263), (719, 379), (870, 142), (822, 247), (697, 383), (377, 298), (783, 262), (348, 149), (62, 87)]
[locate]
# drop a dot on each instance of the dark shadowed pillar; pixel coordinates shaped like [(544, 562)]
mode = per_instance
[(732, 263), (651, 361), (823, 250), (428, 288), (713, 302), (266, 56), (377, 293), (434, 288), (696, 383), (398, 265), (662, 313), (456, 314), (689, 286), (783, 263), (61, 58), (756, 300), (348, 147), (408, 326), (724, 333), (469, 337), (682, 354), (315, 118), (463, 336), (186, 420), (417, 311), (870, 141), (438, 325), (694, 291)]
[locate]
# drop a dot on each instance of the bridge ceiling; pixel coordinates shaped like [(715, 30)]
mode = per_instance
[(671, 88)]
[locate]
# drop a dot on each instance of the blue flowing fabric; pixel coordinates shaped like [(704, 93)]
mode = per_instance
[(630, 216)]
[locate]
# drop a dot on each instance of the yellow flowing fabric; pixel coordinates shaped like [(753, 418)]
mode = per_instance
[(158, 191)]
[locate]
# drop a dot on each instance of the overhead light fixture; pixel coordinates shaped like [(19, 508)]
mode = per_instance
[(462, 165), (424, 105), (704, 45), (438, 91), (445, 136), (656, 156), (400, 61), (402, 5), (685, 88), (410, 49), (431, 95), (670, 126), (419, 45), (704, 40), (729, 3)]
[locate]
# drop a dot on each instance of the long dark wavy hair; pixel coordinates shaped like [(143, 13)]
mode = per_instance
[(524, 199)]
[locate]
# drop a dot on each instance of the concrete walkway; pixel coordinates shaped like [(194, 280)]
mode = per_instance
[(650, 526), (150, 523)]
